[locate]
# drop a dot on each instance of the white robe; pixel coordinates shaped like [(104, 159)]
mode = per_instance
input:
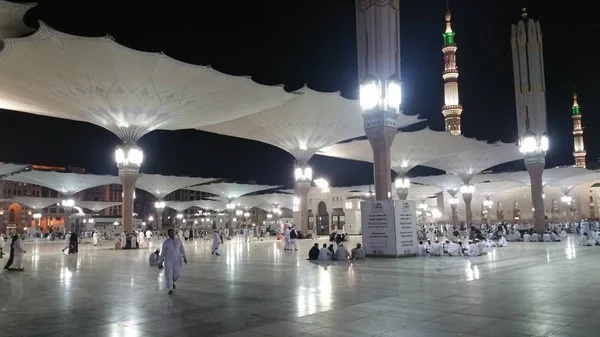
[(325, 254), (436, 249), (454, 249), (502, 242), (421, 250), (535, 237), (123, 240), (95, 239), (341, 254), (526, 237), (171, 256), (18, 254), (563, 234), (133, 242), (216, 242), (286, 238)]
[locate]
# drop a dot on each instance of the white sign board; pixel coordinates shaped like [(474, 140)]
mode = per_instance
[(379, 234), (406, 228), (389, 228)]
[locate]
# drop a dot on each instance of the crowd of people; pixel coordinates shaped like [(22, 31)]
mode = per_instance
[(340, 254)]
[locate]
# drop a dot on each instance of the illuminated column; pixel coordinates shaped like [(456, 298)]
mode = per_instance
[(230, 207), (453, 201), (129, 158), (579, 149), (67, 205), (303, 179), (377, 27), (487, 204), (160, 207), (567, 199), (467, 194), (402, 186), (530, 96), (452, 108)]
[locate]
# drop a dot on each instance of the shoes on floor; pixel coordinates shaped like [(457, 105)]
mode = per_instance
[(174, 286), (170, 292)]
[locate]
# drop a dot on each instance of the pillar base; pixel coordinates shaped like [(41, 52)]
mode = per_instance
[(128, 180)]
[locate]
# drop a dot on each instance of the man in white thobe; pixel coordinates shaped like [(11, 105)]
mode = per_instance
[(325, 254), (216, 243), (123, 240), (170, 257), (148, 236), (67, 239), (19, 249), (95, 239), (341, 254), (436, 249), (286, 238)]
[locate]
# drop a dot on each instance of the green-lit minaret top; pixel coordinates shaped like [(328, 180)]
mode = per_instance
[(575, 107), (448, 34)]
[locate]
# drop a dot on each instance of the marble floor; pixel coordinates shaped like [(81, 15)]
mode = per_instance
[(257, 289)]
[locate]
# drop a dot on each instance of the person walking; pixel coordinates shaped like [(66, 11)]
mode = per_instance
[(171, 255)]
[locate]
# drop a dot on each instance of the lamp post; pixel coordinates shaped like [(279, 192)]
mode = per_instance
[(530, 96), (37, 217), (453, 201), (67, 205), (534, 148), (380, 94), (129, 158), (487, 204), (467, 191), (160, 207), (302, 177), (402, 186)]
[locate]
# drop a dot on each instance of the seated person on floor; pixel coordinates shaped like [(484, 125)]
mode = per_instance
[(454, 249), (313, 253), (502, 242), (325, 254), (358, 253), (421, 249), (436, 249), (341, 254), (584, 240), (153, 260)]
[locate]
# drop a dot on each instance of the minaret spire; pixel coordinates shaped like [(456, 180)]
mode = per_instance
[(579, 149), (452, 108)]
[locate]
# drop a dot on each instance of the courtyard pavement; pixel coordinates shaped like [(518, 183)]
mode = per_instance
[(258, 289)]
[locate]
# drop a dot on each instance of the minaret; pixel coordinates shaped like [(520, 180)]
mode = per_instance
[(452, 108), (579, 149)]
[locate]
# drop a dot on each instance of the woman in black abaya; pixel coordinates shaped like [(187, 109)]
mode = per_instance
[(73, 244), (12, 253)]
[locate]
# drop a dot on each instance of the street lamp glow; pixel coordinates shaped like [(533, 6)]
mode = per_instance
[(488, 203), (246, 215), (545, 143), (239, 212), (369, 92), (303, 173), (466, 189), (37, 216), (159, 204), (402, 183), (129, 155), (150, 218), (435, 213), (321, 183), (453, 201), (269, 216), (296, 201), (230, 206), (566, 199), (68, 203), (394, 92), (179, 216)]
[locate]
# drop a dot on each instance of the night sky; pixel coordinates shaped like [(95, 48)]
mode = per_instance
[(314, 42)]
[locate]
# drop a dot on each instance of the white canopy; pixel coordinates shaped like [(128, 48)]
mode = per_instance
[(491, 188), (278, 199), (231, 191), (304, 125), (408, 150), (549, 176), (180, 206), (36, 203), (160, 186), (65, 183), (96, 206), (567, 184), (11, 19), (421, 192), (128, 92), (10, 168), (209, 204), (476, 159)]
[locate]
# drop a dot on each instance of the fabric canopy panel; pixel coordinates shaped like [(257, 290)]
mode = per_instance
[(421, 192), (179, 206), (126, 91), (65, 183), (96, 206), (408, 150), (11, 19), (277, 200), (231, 191), (476, 159), (10, 168), (213, 205), (491, 188), (36, 203), (304, 125), (160, 186), (550, 175)]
